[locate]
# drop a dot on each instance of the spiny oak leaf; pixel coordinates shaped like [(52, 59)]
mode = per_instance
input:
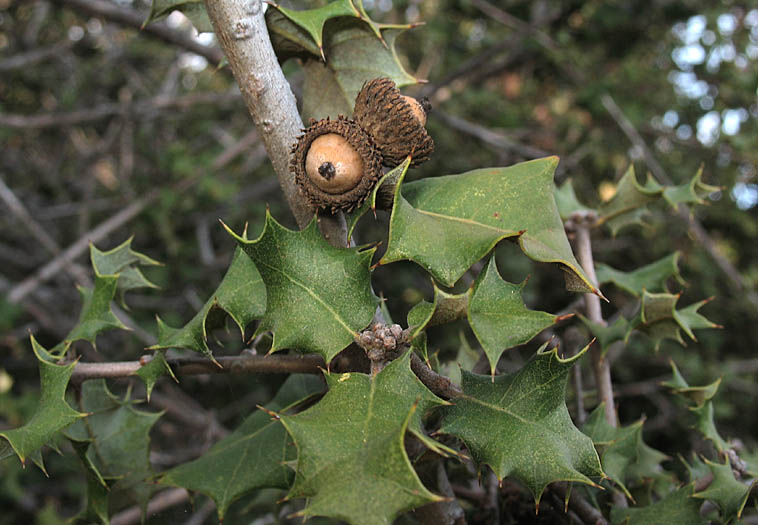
[(53, 414), (241, 295), (252, 457), (445, 224), (119, 441), (678, 506), (628, 204), (725, 491), (351, 459), (519, 425), (651, 277), (624, 455), (318, 296), (498, 316), (659, 318)]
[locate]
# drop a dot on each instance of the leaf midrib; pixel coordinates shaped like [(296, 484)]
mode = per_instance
[(312, 294)]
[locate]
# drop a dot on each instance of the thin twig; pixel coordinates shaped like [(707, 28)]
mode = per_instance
[(118, 14), (600, 365), (136, 109), (161, 501), (441, 385), (488, 136), (34, 56), (187, 366)]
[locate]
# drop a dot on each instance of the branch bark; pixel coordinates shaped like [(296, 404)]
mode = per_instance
[(188, 366), (241, 30)]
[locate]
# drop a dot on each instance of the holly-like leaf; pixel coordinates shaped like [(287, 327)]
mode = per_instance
[(607, 335), (444, 308), (192, 9), (96, 501), (354, 55), (119, 440), (445, 224), (651, 277), (318, 296), (677, 507), (693, 192), (659, 318), (250, 458), (519, 425), (498, 316), (312, 21), (241, 295), (125, 262), (567, 201), (390, 178), (621, 449), (53, 414), (628, 204), (155, 369), (352, 463), (96, 315), (697, 394), (706, 425), (725, 491)]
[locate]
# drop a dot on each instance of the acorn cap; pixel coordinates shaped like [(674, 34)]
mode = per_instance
[(336, 174), (389, 117)]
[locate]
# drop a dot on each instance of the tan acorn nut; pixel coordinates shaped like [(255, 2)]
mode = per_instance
[(336, 164), (395, 121)]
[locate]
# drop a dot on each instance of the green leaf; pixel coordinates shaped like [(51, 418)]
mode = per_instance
[(390, 178), (519, 425), (119, 440), (52, 415), (705, 424), (444, 308), (124, 262), (677, 507), (352, 463), (651, 277), (697, 394), (498, 316), (659, 318), (192, 9), (96, 315), (607, 335), (627, 205), (567, 201), (447, 223), (288, 39), (96, 501), (241, 295), (318, 296), (312, 20), (354, 55), (725, 491), (624, 455), (152, 371), (250, 458), (692, 192)]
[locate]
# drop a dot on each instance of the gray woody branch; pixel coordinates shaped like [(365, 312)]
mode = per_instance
[(242, 33)]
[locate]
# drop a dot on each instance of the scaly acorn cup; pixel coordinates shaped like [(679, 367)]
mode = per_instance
[(396, 122), (336, 164)]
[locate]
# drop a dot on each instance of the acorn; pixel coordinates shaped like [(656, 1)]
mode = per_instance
[(395, 121), (336, 164)]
